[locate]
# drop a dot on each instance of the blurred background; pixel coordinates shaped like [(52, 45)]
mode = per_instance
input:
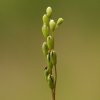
[(77, 44)]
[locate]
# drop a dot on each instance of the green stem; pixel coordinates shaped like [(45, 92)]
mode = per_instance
[(53, 95), (54, 91), (55, 79)]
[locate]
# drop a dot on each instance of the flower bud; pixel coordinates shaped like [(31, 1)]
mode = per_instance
[(60, 21), (45, 30), (52, 25), (49, 63), (51, 81), (46, 73), (49, 11), (45, 48), (53, 57), (45, 19), (50, 42)]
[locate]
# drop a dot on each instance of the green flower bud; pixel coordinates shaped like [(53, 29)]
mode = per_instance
[(49, 63), (49, 11), (60, 21), (45, 30), (52, 25), (45, 48), (51, 81), (45, 19), (46, 73), (50, 42), (53, 57)]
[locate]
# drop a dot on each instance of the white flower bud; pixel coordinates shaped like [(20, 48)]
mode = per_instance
[(45, 48), (53, 57), (60, 21), (49, 11), (45, 30), (50, 42), (52, 25), (45, 19)]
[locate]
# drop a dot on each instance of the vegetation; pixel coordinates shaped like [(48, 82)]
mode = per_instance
[(48, 29)]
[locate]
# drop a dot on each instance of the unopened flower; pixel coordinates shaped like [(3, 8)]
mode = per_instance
[(52, 25), (45, 19), (50, 42), (45, 30), (45, 48), (49, 11)]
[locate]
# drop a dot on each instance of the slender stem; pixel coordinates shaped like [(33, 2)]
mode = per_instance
[(55, 81), (54, 90), (53, 95), (55, 77)]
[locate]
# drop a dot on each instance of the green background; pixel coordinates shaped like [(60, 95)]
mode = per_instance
[(77, 44)]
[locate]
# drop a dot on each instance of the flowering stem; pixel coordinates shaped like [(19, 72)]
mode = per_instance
[(53, 95), (48, 29), (55, 79), (54, 90)]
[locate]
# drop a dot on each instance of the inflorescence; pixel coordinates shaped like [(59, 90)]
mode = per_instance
[(48, 29)]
